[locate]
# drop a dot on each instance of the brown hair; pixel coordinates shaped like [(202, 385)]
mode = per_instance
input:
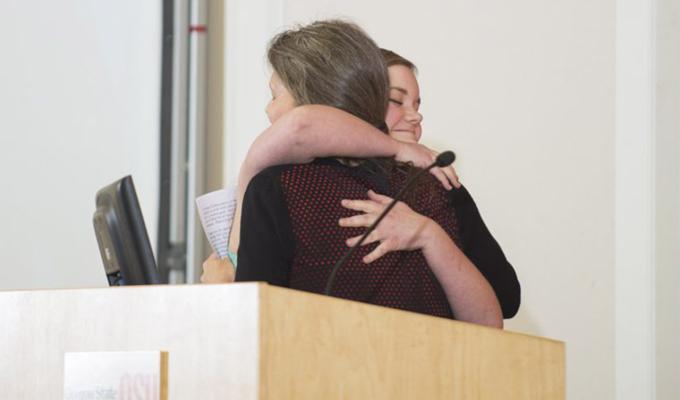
[(334, 63), (391, 58)]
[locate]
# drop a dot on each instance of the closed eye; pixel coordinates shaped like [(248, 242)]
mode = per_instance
[(395, 101)]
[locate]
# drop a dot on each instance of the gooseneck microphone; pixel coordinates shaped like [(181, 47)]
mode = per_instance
[(443, 160)]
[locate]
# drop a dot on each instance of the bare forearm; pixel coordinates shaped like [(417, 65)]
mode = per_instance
[(305, 133), (470, 296), (312, 131)]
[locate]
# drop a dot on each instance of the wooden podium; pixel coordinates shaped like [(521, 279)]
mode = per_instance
[(255, 341)]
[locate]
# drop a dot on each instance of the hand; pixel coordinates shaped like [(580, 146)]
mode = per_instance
[(401, 229), (216, 270), (422, 157)]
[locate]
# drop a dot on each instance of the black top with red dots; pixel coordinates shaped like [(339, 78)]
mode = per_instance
[(290, 237)]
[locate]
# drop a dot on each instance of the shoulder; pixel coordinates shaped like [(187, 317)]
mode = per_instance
[(264, 189), (267, 178), (271, 173), (275, 181), (461, 198), (277, 171)]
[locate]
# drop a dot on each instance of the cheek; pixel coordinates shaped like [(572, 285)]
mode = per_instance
[(393, 116)]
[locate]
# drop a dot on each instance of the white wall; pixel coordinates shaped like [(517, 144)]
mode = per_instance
[(249, 26), (524, 92), (79, 108), (634, 200), (667, 207)]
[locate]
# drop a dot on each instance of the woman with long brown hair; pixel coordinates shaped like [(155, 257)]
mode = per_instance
[(289, 232)]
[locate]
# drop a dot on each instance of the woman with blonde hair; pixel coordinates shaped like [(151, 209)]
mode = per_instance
[(289, 234), (310, 131)]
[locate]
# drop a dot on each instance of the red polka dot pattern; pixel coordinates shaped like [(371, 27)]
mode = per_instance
[(399, 279)]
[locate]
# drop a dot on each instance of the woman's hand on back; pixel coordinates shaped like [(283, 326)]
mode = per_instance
[(422, 157), (401, 229)]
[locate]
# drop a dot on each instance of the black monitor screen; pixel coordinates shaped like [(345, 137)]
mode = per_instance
[(122, 237)]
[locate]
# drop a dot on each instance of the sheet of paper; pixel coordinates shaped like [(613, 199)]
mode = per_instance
[(216, 211)]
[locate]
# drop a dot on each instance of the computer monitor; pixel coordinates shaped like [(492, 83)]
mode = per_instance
[(122, 237)]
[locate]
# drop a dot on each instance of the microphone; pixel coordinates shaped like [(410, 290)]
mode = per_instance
[(443, 160)]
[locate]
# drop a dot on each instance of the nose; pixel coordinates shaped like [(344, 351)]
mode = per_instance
[(413, 117)]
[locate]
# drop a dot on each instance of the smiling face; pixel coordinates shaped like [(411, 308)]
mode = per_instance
[(403, 119), (282, 101)]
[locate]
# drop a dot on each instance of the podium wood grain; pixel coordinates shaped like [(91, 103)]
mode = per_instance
[(254, 341)]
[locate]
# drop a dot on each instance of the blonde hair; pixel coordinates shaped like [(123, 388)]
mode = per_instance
[(391, 58), (334, 63)]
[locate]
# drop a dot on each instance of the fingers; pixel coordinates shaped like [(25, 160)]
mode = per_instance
[(208, 261), (422, 156), (441, 177), (352, 241), (366, 206), (356, 221), (207, 265), (453, 176), (382, 249), (378, 252), (371, 208), (372, 237), (374, 204), (447, 177), (380, 198), (217, 270)]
